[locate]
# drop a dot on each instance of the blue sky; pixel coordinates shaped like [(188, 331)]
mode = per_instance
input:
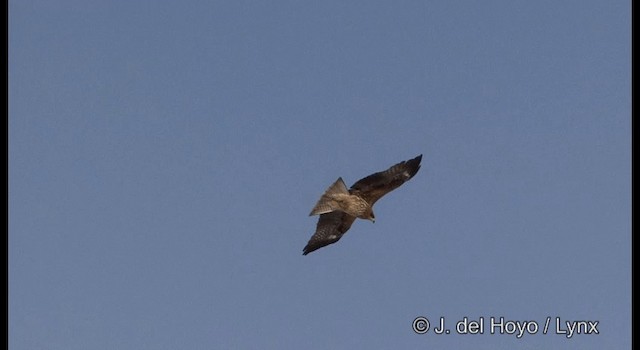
[(164, 157)]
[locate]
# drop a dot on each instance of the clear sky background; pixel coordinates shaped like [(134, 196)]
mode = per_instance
[(164, 157)]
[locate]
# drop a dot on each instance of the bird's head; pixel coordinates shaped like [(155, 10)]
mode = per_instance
[(372, 217)]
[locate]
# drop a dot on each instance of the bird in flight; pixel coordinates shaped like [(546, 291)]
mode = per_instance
[(339, 207)]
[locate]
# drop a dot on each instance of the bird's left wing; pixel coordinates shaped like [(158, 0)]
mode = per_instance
[(331, 227)]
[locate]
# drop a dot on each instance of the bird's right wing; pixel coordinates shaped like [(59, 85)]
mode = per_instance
[(374, 186)]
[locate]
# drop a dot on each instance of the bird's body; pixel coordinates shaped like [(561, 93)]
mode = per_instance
[(339, 207), (337, 197)]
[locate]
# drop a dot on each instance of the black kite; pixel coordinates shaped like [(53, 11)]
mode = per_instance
[(339, 207)]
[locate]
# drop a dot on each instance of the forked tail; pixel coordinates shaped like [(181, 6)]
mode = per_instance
[(328, 202)]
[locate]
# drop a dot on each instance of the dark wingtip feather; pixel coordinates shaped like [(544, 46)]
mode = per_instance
[(307, 250), (414, 164), (417, 159)]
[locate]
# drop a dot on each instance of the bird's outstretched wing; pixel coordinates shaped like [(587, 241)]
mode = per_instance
[(374, 186), (331, 227)]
